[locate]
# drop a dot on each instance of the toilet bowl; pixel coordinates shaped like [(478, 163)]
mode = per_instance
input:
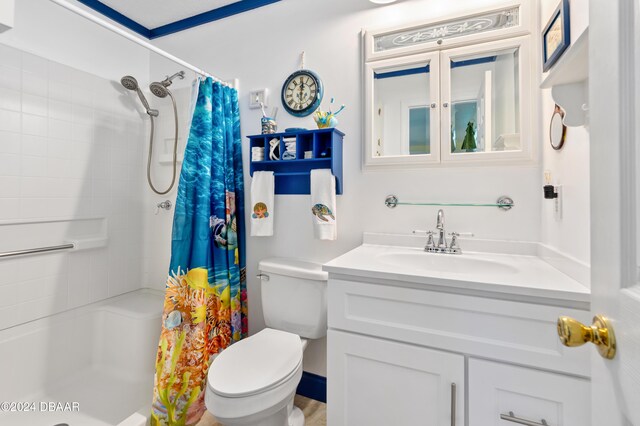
[(253, 382)]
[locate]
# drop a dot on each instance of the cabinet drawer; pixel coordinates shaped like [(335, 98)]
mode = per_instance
[(516, 332), (377, 382), (498, 389)]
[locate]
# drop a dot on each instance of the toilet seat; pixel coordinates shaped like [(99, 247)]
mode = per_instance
[(256, 364)]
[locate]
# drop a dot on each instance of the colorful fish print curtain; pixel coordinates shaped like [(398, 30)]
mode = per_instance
[(205, 308)]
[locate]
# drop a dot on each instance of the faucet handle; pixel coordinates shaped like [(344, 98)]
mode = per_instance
[(462, 234), (430, 234)]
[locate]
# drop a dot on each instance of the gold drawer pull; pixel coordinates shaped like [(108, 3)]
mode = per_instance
[(512, 418)]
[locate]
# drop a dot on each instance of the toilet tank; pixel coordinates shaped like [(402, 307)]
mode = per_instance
[(294, 296)]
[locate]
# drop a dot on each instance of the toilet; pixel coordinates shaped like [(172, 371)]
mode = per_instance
[(253, 381)]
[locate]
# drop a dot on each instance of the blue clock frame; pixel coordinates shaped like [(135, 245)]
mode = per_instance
[(311, 108)]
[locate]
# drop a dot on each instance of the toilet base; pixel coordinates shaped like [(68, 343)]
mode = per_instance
[(296, 418)]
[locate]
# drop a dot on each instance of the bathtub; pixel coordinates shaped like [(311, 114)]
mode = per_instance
[(91, 366)]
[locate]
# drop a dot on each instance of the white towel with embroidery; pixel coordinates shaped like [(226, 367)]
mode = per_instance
[(323, 204), (262, 195)]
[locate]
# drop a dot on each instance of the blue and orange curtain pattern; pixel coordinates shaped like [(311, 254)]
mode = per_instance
[(205, 307)]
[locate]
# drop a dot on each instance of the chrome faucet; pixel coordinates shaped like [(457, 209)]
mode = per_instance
[(442, 246), (442, 239)]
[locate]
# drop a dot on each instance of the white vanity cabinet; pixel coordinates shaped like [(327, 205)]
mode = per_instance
[(377, 382), (395, 348)]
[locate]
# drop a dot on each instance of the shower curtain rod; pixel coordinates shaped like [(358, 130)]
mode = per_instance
[(75, 9)]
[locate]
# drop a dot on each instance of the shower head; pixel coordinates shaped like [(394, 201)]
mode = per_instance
[(159, 89), (130, 83)]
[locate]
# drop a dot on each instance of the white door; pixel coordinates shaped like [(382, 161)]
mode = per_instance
[(614, 47), (376, 382)]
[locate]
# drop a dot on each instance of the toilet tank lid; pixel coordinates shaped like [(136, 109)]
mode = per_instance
[(293, 268)]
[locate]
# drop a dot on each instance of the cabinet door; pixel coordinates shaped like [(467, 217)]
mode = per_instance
[(486, 102), (525, 396), (379, 382)]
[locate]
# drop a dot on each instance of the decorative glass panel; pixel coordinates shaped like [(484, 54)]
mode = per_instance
[(455, 28)]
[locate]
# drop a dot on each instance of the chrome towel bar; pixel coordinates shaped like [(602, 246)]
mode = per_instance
[(36, 250)]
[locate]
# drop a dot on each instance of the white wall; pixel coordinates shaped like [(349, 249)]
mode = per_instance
[(570, 166), (262, 47), (71, 145)]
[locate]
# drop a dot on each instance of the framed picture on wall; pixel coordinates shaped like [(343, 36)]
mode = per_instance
[(556, 36)]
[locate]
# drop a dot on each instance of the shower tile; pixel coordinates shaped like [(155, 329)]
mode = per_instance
[(80, 279), (34, 145), (82, 114), (58, 167), (35, 64), (10, 78), (81, 96), (60, 72), (36, 105), (9, 165), (10, 56), (59, 148), (34, 125), (10, 143), (59, 91), (34, 167), (81, 132), (10, 99), (9, 186), (60, 110), (10, 121), (34, 84), (59, 129), (9, 208)]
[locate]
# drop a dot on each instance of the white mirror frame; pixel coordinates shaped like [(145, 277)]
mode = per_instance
[(370, 110), (525, 101), (514, 36)]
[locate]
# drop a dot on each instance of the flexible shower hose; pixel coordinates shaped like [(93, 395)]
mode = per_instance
[(175, 150)]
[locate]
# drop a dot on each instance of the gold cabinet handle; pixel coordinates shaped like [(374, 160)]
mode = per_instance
[(573, 333)]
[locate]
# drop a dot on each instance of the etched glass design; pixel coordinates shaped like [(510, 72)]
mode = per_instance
[(502, 19)]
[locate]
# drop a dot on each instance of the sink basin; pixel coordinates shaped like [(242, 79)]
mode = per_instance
[(447, 263)]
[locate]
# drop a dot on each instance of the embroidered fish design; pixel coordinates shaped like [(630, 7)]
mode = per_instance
[(320, 211)]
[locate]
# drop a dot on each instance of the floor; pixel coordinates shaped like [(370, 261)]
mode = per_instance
[(315, 413)]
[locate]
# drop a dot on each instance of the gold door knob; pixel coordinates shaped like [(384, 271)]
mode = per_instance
[(573, 333)]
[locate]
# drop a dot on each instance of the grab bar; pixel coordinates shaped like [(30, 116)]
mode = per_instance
[(36, 250)]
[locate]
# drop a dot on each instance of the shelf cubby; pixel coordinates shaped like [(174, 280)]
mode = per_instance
[(293, 176)]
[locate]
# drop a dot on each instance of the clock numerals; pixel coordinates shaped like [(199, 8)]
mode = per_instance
[(301, 93)]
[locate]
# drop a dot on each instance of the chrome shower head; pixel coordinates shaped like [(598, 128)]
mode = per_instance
[(159, 89), (129, 82)]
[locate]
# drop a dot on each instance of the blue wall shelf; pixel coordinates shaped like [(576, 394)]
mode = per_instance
[(294, 176)]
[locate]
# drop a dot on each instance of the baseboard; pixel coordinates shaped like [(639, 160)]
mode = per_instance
[(313, 386)]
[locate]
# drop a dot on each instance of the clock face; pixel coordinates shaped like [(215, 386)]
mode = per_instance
[(302, 93)]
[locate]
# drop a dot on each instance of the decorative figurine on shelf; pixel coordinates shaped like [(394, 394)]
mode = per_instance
[(327, 119), (469, 142)]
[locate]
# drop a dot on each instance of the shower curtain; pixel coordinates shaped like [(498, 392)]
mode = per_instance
[(205, 306)]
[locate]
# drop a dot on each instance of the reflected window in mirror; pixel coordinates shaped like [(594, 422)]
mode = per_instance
[(485, 102), (402, 120)]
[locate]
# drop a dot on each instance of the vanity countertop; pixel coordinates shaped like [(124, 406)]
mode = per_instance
[(511, 276)]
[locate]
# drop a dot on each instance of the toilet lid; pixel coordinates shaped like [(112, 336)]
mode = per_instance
[(255, 364)]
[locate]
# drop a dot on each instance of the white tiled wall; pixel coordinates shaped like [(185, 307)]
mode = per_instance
[(71, 147)]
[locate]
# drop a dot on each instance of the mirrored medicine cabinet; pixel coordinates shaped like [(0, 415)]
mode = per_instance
[(456, 91)]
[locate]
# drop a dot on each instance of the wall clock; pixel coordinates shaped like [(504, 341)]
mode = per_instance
[(302, 93)]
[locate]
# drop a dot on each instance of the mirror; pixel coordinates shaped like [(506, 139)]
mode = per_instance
[(402, 109), (485, 102), (557, 129), (450, 100)]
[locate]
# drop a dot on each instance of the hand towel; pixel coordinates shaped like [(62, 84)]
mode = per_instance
[(262, 195), (323, 204)]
